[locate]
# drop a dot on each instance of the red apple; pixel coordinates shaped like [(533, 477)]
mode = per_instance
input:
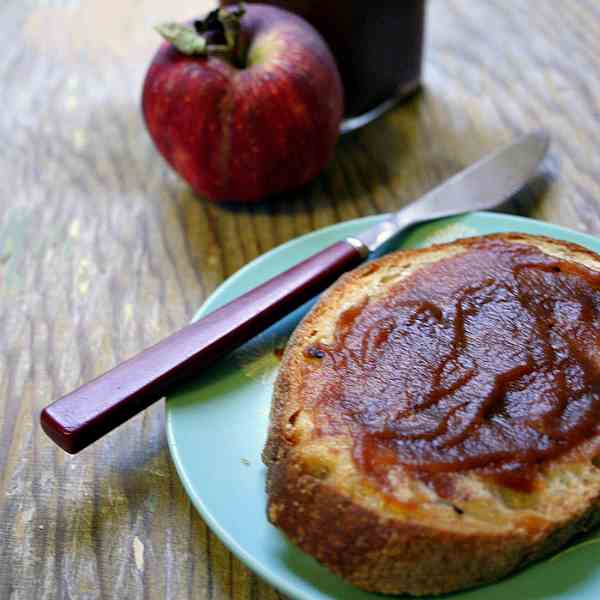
[(248, 106)]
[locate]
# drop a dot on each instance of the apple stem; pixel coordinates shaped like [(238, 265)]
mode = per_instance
[(218, 34), (231, 21)]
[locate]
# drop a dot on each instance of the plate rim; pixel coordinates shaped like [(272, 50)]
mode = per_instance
[(281, 582)]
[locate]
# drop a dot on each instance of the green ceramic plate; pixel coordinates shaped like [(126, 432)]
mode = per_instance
[(217, 426)]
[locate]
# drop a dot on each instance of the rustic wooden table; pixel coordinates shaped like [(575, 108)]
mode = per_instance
[(104, 251)]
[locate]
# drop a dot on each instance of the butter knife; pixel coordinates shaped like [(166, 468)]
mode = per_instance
[(86, 414)]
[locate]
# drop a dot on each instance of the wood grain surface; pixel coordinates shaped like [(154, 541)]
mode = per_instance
[(104, 251)]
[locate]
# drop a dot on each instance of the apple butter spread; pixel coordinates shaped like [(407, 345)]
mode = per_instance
[(486, 360)]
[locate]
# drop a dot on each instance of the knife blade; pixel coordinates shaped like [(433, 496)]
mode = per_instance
[(86, 414), (484, 185)]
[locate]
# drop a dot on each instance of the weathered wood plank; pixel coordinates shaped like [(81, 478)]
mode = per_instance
[(104, 251)]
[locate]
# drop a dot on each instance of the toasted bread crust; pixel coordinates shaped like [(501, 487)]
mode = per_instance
[(381, 554), (428, 545)]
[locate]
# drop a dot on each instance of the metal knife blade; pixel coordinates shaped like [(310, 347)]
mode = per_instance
[(482, 186)]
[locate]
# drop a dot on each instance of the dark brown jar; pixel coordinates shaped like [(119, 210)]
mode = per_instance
[(378, 45)]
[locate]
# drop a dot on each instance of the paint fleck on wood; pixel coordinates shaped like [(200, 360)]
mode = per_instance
[(138, 553)]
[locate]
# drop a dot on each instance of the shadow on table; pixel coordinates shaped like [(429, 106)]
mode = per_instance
[(526, 201)]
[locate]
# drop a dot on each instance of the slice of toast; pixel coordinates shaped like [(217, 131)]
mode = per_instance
[(426, 521)]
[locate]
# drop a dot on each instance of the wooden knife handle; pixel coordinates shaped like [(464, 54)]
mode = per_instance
[(86, 414)]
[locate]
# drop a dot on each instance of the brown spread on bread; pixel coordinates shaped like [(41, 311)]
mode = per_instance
[(436, 419), (484, 360)]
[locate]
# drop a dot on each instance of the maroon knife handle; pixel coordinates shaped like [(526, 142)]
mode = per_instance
[(86, 414)]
